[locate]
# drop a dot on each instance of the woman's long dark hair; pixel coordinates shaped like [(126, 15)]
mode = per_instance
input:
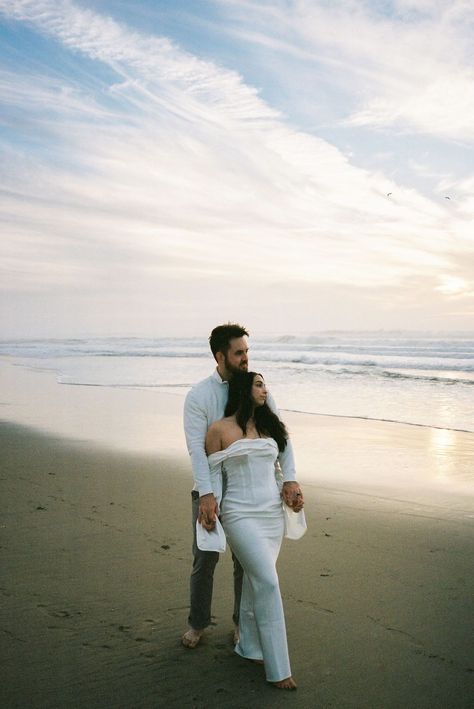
[(241, 404)]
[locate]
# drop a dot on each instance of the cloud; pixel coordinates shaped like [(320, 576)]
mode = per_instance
[(209, 90), (168, 179), (405, 66)]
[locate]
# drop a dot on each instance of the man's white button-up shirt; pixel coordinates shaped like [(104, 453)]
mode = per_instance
[(204, 404)]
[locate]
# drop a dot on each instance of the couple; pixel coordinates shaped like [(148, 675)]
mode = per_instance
[(232, 429)]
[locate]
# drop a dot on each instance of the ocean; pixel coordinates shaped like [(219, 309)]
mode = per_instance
[(424, 379)]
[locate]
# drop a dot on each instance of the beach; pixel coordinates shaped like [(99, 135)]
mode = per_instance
[(96, 556), (190, 189)]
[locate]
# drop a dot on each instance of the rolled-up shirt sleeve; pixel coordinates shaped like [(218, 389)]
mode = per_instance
[(195, 429), (286, 458)]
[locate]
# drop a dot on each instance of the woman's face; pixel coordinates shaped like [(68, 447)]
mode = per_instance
[(259, 390)]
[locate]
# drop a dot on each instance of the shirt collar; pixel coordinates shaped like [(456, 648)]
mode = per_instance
[(218, 377)]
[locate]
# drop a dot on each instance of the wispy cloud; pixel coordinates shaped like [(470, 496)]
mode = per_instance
[(176, 170), (406, 65)]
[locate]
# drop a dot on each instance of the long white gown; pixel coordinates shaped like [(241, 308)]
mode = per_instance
[(252, 517)]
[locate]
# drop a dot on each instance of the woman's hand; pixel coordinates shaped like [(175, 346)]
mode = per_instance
[(293, 496)]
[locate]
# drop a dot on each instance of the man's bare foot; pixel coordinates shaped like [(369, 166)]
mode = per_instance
[(191, 638), (288, 683), (236, 635)]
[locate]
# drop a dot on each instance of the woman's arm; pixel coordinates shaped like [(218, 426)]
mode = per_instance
[(214, 438)]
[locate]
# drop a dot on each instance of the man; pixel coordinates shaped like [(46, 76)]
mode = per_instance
[(204, 404)]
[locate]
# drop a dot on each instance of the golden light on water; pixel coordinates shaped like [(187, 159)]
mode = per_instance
[(442, 444)]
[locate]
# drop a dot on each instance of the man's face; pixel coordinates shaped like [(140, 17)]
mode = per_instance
[(236, 359)]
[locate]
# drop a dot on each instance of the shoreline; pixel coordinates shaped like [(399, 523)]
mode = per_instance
[(96, 559), (375, 420), (174, 389), (417, 464)]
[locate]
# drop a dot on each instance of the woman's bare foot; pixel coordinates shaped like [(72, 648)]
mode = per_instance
[(288, 683), (191, 638)]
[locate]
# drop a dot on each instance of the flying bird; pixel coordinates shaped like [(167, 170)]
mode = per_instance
[(388, 194), (447, 197)]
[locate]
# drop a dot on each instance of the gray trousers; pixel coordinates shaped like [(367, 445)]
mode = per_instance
[(202, 579)]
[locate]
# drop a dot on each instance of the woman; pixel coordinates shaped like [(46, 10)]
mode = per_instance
[(244, 447)]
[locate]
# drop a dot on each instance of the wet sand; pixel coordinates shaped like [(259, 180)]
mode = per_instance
[(95, 560)]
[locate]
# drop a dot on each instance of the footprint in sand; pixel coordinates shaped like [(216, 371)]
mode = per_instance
[(58, 614)]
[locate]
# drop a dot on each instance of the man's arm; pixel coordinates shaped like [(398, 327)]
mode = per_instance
[(286, 457), (195, 429), (291, 492)]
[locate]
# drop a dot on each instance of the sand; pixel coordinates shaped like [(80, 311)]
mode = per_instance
[(95, 556), (95, 561)]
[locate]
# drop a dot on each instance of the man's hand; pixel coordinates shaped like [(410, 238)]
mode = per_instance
[(292, 495), (208, 511)]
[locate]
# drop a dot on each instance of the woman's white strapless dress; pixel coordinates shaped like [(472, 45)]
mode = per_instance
[(252, 517)]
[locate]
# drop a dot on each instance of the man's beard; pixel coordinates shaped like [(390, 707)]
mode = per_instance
[(235, 370)]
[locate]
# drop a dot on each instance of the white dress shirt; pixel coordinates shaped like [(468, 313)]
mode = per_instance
[(204, 404)]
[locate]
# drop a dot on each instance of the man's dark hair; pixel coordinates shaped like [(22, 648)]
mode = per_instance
[(241, 404), (220, 337)]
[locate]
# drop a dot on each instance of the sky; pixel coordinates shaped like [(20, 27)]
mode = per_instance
[(294, 165)]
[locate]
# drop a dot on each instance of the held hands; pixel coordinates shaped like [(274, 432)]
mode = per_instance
[(292, 495), (208, 510)]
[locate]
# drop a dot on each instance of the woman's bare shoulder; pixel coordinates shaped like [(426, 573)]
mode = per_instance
[(214, 438), (221, 424), (217, 433)]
